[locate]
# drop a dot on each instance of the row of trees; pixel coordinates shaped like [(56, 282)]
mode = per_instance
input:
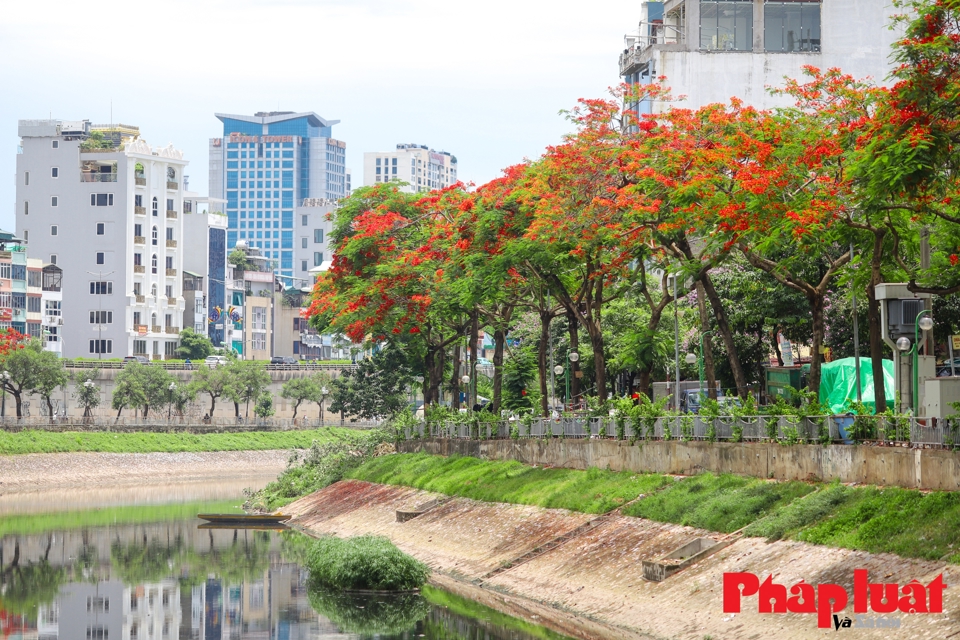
[(835, 193)]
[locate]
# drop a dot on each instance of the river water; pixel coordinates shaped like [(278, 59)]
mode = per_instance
[(136, 569)]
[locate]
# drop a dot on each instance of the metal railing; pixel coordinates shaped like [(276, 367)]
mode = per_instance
[(98, 177), (160, 423), (304, 365), (897, 430)]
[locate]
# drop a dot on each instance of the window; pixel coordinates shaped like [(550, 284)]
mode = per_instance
[(34, 279), (53, 229), (34, 329), (791, 26), (52, 307), (258, 341), (303, 220), (136, 318), (53, 333), (101, 346), (169, 262), (54, 172), (26, 209), (101, 288), (19, 300), (169, 233), (153, 264), (101, 199), (153, 237), (136, 289), (18, 271), (101, 317), (138, 230), (168, 320), (154, 206), (303, 265), (169, 204), (6, 300), (726, 25), (139, 349), (259, 318), (26, 178), (54, 201), (169, 290), (169, 350), (138, 200), (53, 258), (317, 258), (100, 228), (33, 304), (138, 259), (98, 604), (26, 234), (54, 144), (303, 243), (99, 257), (318, 235)]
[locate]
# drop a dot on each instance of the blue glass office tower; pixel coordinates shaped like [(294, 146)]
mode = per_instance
[(265, 166)]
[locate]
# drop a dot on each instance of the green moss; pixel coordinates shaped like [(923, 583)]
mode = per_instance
[(592, 491)]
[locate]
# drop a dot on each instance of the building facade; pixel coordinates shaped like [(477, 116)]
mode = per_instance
[(422, 168), (266, 164), (710, 50), (204, 267), (102, 204)]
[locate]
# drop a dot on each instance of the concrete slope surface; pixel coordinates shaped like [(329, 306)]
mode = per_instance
[(590, 585)]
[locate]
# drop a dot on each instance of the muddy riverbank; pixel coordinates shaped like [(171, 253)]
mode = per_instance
[(33, 482), (589, 584)]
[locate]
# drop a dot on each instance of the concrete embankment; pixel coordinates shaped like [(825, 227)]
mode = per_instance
[(933, 469), (581, 575)]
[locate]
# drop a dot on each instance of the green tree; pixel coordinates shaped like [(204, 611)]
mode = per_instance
[(32, 370), (193, 345), (246, 381), (299, 390), (375, 388), (87, 395), (128, 388), (264, 406), (211, 381), (238, 258)]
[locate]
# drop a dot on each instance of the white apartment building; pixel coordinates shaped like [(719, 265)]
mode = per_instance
[(711, 50), (422, 168), (103, 205), (311, 241)]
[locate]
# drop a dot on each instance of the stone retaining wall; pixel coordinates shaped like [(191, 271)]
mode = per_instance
[(937, 469)]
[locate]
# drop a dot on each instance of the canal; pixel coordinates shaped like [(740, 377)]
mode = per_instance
[(138, 568)]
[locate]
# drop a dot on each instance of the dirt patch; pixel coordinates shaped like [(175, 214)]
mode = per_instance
[(596, 576)]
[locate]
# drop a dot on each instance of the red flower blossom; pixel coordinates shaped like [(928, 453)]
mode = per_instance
[(954, 259)]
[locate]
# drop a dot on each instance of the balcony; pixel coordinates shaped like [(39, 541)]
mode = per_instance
[(139, 240), (173, 330), (171, 244), (139, 268), (171, 302), (171, 272), (141, 299), (141, 182), (173, 185), (156, 328), (139, 211), (171, 213), (98, 177)]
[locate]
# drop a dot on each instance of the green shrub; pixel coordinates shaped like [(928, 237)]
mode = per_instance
[(363, 562), (800, 514)]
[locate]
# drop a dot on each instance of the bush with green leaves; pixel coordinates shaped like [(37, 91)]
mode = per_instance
[(363, 562)]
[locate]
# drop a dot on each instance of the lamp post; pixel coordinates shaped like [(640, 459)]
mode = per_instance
[(702, 336), (323, 397), (466, 381), (86, 410), (171, 389), (925, 322), (3, 408), (419, 380), (572, 357), (903, 345)]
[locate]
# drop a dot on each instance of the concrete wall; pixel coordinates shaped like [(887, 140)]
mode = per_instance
[(898, 466)]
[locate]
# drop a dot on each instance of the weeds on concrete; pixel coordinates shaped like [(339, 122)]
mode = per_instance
[(591, 491), (363, 562)]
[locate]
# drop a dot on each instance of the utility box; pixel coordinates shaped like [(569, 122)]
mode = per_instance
[(783, 382), (939, 396)]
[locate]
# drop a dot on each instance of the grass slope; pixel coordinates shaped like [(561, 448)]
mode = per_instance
[(142, 442), (592, 491), (906, 522)]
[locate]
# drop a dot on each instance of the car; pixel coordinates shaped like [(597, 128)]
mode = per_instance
[(283, 360), (216, 361), (943, 371), (138, 359), (484, 362)]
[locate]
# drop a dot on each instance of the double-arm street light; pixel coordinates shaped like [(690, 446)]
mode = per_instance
[(573, 356), (925, 322)]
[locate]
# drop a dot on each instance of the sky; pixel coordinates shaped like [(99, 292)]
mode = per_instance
[(483, 80)]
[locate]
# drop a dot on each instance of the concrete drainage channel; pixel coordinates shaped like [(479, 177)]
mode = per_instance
[(410, 514), (682, 557)]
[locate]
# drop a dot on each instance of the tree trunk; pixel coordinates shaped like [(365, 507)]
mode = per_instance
[(49, 407), (876, 349), (213, 404), (236, 408), (723, 327), (776, 345), (455, 378), (542, 361), (573, 328), (499, 339), (472, 399), (599, 362), (16, 396), (295, 407), (816, 310), (710, 372)]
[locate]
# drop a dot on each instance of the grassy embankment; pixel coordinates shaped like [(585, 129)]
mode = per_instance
[(902, 521), (142, 442)]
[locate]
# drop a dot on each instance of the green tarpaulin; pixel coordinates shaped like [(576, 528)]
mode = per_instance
[(838, 383)]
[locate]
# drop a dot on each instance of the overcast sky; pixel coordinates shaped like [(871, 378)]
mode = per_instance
[(483, 80)]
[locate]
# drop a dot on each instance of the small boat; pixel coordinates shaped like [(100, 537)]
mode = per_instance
[(245, 520)]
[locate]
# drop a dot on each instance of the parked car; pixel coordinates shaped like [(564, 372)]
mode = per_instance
[(283, 360), (690, 400), (943, 370), (140, 359), (216, 361)]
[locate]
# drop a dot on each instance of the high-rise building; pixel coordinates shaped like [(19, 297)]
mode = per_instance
[(422, 168), (104, 206), (204, 266), (264, 166), (711, 50)]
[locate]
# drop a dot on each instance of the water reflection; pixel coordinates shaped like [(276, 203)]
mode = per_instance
[(171, 580)]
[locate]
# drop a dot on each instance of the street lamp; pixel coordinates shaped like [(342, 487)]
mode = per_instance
[(419, 381), (88, 383), (925, 322), (3, 407), (572, 357), (171, 388), (323, 396)]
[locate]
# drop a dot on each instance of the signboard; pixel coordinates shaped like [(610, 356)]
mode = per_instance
[(237, 137), (786, 352), (955, 341)]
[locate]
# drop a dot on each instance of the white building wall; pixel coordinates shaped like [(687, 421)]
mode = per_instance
[(422, 168)]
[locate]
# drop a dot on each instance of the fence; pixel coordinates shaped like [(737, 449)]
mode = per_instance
[(175, 423), (305, 365), (783, 429)]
